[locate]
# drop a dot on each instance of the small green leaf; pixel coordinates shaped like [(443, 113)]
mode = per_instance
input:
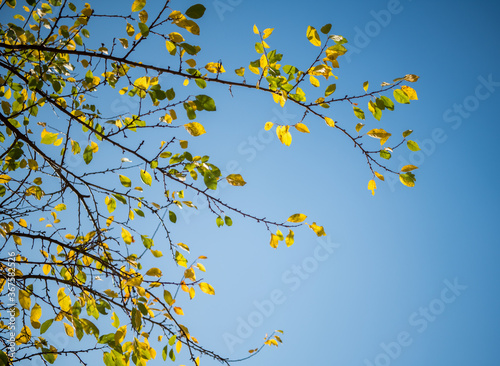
[(385, 154), (172, 217), (88, 154), (412, 145), (408, 179), (228, 221), (358, 112), (407, 133), (196, 11), (401, 97), (326, 28)]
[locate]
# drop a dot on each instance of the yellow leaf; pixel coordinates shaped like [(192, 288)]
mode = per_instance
[(301, 127), (176, 37), (255, 29), (154, 272), (24, 336), (201, 267), (372, 186), (94, 147), (206, 288), (183, 143), (236, 180), (178, 346), (408, 168), (284, 135), (312, 36), (314, 81), (317, 229), (379, 176), (297, 218), (22, 222), (412, 94), (63, 300), (60, 207), (24, 299), (195, 128), (330, 122), (170, 46), (36, 313), (120, 334), (263, 61), (379, 133), (178, 310), (192, 293), (215, 67), (46, 268), (127, 237), (289, 240), (69, 330), (143, 82), (274, 241), (267, 32), (240, 71), (4, 179), (17, 240), (189, 274), (269, 125), (110, 220), (138, 5), (365, 85)]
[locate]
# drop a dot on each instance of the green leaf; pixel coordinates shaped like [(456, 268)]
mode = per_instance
[(196, 11), (172, 217), (330, 89), (201, 83), (204, 102), (407, 133), (110, 203), (146, 177), (377, 112), (49, 138), (408, 179), (125, 181), (412, 145), (46, 325), (88, 154), (385, 154), (228, 221), (401, 97), (144, 29), (120, 198), (219, 221), (389, 104), (326, 28), (358, 112)]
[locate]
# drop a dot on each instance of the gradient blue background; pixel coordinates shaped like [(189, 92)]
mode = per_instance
[(396, 248), (393, 251)]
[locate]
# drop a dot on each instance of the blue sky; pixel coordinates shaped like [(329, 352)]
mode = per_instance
[(406, 277), (393, 255)]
